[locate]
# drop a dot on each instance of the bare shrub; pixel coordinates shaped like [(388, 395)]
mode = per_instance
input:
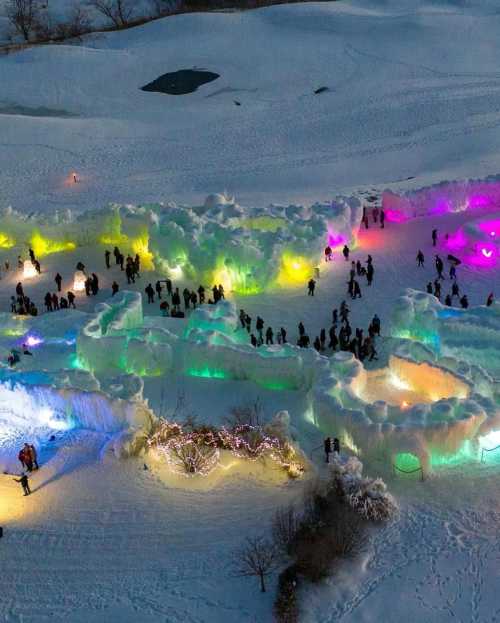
[(286, 608), (258, 557), (341, 534), (24, 16), (192, 456), (246, 415), (77, 25), (119, 12), (286, 524)]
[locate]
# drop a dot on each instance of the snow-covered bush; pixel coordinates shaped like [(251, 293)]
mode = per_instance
[(367, 496)]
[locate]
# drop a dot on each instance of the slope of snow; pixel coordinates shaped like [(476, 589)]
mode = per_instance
[(407, 99)]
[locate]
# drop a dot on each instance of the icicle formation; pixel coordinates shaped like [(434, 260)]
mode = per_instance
[(368, 496)]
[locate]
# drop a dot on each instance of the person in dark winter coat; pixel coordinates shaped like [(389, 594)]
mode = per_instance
[(302, 329), (269, 336), (158, 289), (429, 288), (71, 299), (201, 294), (317, 344), (176, 299), (248, 323), (382, 219), (439, 267), (253, 340), (107, 255), (437, 289), (48, 301), (116, 253), (94, 284), (310, 287), (453, 272), (333, 343), (357, 290), (420, 258), (259, 325), (490, 299), (168, 285), (335, 317), (345, 252), (58, 280), (434, 237), (464, 302), (55, 302), (369, 274), (322, 338), (455, 290), (328, 254), (150, 292), (24, 483), (327, 446), (242, 318), (283, 335), (114, 288)]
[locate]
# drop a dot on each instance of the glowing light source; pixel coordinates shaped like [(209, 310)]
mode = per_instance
[(46, 416), (29, 271), (399, 383), (295, 270), (45, 246), (140, 245), (33, 340), (79, 281), (407, 462), (487, 252), (209, 373), (404, 404), (235, 278), (6, 242), (491, 440)]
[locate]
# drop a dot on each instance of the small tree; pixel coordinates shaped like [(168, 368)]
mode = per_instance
[(258, 557), (118, 11), (24, 16)]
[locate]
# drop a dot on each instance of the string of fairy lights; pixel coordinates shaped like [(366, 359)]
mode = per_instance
[(197, 452)]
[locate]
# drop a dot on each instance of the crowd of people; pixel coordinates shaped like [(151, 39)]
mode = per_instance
[(434, 287)]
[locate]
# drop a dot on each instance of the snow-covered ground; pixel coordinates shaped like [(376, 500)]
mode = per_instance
[(413, 93), (407, 99)]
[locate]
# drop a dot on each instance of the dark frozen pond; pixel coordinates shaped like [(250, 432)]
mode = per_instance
[(180, 82)]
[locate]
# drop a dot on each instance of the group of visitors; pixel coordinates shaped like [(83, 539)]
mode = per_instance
[(29, 461)]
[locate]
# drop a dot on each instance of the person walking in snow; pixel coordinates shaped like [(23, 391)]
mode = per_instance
[(335, 317), (327, 446), (382, 219), (322, 338), (302, 329), (150, 292), (439, 267), (455, 290), (253, 340), (55, 302), (490, 299), (259, 326), (58, 280), (107, 255), (168, 284), (116, 253), (24, 483), (357, 290), (28, 458), (21, 457), (94, 284), (201, 294), (334, 341), (71, 299), (248, 323), (345, 252), (129, 273), (242, 318), (429, 288), (114, 288), (48, 301), (269, 336), (283, 335), (158, 289), (369, 274), (447, 300), (328, 253), (317, 344), (464, 302), (310, 287), (336, 446), (420, 258), (437, 289), (453, 272), (33, 455), (434, 237), (376, 325), (176, 299)]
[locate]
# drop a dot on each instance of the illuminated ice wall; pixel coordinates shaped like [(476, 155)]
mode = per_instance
[(456, 196), (220, 242)]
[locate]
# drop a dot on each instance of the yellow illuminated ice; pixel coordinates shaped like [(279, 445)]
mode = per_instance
[(140, 245), (295, 270), (45, 246)]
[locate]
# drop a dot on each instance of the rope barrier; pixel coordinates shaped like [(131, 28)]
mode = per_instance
[(483, 450), (411, 471)]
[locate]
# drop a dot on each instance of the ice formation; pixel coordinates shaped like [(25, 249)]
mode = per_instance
[(245, 249)]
